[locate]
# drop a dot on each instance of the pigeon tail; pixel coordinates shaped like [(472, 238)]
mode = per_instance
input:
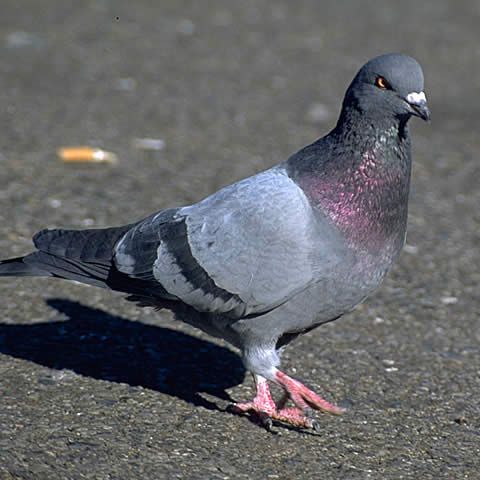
[(81, 255), (16, 267)]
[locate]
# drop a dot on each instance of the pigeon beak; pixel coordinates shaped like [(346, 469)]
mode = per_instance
[(418, 105)]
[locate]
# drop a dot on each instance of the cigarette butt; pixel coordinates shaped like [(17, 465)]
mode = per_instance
[(86, 154)]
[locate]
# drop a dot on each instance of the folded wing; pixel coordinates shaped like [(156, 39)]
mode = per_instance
[(242, 251)]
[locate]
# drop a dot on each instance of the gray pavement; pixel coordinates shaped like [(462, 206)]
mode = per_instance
[(92, 387)]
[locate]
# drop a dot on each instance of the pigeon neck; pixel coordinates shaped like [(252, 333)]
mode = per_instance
[(359, 177), (356, 123)]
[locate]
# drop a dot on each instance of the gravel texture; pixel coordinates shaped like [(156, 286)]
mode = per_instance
[(91, 387)]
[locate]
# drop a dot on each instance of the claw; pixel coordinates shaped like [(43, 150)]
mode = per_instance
[(265, 421), (316, 426)]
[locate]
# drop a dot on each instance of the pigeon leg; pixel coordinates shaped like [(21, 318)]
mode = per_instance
[(263, 401), (303, 397), (266, 409)]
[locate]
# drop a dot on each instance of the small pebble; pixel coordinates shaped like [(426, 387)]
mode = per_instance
[(148, 143), (126, 84), (20, 39), (55, 202), (318, 113), (186, 27), (449, 300), (412, 249)]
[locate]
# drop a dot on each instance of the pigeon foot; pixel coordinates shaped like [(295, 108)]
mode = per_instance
[(266, 410), (293, 416)]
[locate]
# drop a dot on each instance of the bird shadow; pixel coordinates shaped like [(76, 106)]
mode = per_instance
[(97, 344)]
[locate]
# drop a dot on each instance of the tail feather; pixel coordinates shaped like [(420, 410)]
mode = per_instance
[(92, 245), (16, 267), (81, 255)]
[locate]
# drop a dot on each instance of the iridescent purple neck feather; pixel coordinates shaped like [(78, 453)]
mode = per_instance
[(358, 176)]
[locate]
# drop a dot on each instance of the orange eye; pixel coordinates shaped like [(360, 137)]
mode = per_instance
[(380, 82)]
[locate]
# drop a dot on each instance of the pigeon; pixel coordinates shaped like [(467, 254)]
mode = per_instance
[(275, 255)]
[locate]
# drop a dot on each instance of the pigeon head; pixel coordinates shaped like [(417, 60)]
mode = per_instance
[(388, 85)]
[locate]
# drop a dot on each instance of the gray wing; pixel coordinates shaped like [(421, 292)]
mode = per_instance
[(244, 250)]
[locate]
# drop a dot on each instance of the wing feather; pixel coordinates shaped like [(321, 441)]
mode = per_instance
[(242, 251)]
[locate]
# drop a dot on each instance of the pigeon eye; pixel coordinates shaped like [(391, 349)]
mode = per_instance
[(380, 82)]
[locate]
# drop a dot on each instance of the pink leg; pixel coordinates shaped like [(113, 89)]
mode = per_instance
[(264, 406), (303, 397), (262, 403)]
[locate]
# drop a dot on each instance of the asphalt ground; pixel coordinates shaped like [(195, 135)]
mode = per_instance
[(92, 387)]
